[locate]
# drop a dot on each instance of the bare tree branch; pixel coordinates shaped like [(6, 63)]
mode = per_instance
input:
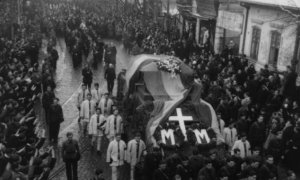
[(297, 16)]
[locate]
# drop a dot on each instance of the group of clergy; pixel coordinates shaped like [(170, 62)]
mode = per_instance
[(99, 118), (98, 115), (118, 152)]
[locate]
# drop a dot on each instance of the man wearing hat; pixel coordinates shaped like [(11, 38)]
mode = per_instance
[(87, 110), (243, 145), (96, 128)]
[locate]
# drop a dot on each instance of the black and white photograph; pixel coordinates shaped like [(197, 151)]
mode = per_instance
[(149, 89)]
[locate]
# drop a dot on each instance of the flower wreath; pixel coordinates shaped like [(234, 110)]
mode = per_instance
[(170, 65)]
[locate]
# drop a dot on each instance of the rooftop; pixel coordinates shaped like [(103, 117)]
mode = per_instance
[(291, 4)]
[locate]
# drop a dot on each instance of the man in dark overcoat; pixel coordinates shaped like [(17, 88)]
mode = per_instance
[(55, 118), (110, 76)]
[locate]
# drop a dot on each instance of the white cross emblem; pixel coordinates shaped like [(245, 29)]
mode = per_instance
[(180, 118)]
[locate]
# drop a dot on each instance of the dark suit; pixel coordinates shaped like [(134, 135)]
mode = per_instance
[(257, 134), (160, 175), (267, 171), (71, 155), (207, 174), (54, 58), (110, 76), (150, 164), (55, 118), (47, 101), (87, 77), (196, 162)]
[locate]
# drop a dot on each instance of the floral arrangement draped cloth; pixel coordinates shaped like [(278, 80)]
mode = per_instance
[(168, 92)]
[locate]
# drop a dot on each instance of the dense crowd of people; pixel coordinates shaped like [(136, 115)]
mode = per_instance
[(23, 153), (257, 111), (258, 115)]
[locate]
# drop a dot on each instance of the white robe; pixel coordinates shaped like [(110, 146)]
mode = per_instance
[(221, 126), (132, 157), (230, 136), (101, 105), (85, 112), (112, 153), (93, 125), (240, 145), (110, 126), (96, 95), (81, 97)]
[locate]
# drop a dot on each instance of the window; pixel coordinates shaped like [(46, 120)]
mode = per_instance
[(274, 48), (255, 42)]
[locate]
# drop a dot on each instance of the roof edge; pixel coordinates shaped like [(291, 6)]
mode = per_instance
[(269, 5)]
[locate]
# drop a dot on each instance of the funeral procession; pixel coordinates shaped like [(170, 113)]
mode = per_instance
[(149, 89)]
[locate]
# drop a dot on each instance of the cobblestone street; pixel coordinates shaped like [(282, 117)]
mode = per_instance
[(68, 84)]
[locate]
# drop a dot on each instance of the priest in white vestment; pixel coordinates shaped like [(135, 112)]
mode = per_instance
[(96, 127), (87, 109), (96, 94), (82, 95), (243, 145), (230, 135), (116, 154), (135, 149), (105, 103), (114, 125)]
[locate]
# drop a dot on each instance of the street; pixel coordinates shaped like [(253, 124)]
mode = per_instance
[(68, 82)]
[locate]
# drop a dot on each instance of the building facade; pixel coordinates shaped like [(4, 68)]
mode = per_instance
[(199, 19), (270, 33), (229, 26)]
